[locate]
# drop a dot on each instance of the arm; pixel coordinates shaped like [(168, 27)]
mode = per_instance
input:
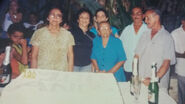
[(116, 67), (161, 72), (23, 58), (163, 69), (95, 65), (179, 55), (70, 56), (34, 56)]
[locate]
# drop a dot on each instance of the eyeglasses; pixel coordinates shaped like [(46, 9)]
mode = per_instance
[(57, 16)]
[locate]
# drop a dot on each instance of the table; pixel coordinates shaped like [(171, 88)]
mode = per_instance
[(56, 87), (43, 87), (164, 98)]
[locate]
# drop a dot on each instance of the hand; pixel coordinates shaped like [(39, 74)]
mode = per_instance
[(146, 81), (103, 71), (23, 42)]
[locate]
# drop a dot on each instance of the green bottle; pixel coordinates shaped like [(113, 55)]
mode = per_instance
[(153, 88)]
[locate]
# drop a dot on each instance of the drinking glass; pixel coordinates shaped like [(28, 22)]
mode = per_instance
[(136, 83)]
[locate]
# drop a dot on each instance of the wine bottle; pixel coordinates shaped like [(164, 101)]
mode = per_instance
[(153, 88), (134, 76), (5, 77)]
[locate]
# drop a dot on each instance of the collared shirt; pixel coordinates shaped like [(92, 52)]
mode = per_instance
[(130, 39), (109, 56), (52, 49), (179, 40), (157, 49), (95, 32)]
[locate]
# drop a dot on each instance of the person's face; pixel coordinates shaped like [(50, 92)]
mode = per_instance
[(101, 17), (104, 30), (13, 5), (151, 19), (55, 17), (33, 18), (84, 19), (16, 37), (137, 15), (18, 18)]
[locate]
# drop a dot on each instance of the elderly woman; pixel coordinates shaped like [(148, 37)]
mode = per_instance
[(83, 41), (52, 45), (108, 54)]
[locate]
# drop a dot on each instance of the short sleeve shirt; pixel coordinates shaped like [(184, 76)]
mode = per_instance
[(52, 49), (130, 39), (157, 49), (179, 40), (109, 56)]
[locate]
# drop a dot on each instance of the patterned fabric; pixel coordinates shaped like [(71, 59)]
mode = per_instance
[(52, 49)]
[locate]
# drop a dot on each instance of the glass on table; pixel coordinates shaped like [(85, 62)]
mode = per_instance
[(135, 86)]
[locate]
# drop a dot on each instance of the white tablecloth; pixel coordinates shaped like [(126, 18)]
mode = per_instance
[(56, 87), (143, 98), (53, 87)]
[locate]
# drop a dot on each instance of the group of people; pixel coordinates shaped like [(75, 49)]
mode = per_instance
[(84, 48)]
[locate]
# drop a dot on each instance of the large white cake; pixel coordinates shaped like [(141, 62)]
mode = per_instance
[(56, 87)]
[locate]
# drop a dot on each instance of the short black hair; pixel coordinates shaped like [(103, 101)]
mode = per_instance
[(16, 27), (103, 10), (87, 11)]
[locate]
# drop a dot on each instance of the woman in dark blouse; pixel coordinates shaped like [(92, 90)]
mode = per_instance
[(83, 41)]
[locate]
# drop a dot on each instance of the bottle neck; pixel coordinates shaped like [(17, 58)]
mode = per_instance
[(154, 77), (7, 55)]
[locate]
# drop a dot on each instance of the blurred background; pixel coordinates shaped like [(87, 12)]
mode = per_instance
[(119, 10)]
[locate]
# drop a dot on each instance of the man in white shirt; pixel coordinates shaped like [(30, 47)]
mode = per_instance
[(130, 36), (155, 45), (179, 39)]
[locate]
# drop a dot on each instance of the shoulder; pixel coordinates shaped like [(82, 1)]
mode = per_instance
[(114, 28), (96, 39), (94, 31), (91, 34), (127, 28), (40, 32), (115, 40), (166, 36), (176, 31), (66, 33)]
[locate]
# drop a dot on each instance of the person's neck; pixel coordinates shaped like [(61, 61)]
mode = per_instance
[(105, 41), (54, 29), (155, 29), (83, 28), (137, 26)]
